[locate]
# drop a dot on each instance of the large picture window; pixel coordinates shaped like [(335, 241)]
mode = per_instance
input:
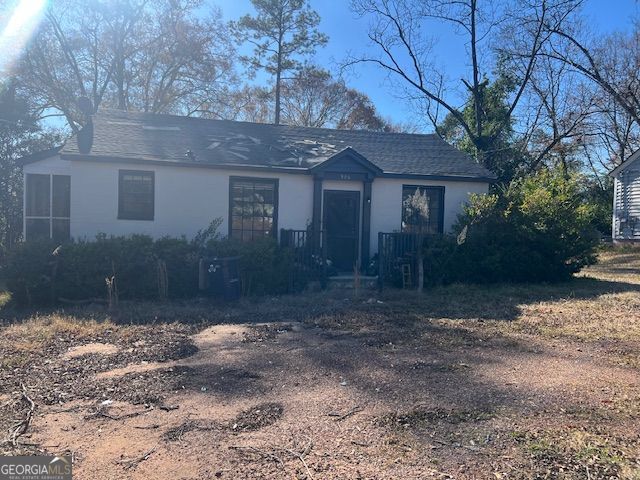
[(422, 209), (47, 206), (136, 195), (253, 208)]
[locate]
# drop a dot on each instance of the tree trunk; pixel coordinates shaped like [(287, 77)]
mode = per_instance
[(281, 32), (278, 75)]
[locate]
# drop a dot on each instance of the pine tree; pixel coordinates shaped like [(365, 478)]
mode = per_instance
[(282, 31)]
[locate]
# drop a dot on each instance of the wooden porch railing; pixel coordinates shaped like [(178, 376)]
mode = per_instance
[(309, 256), (396, 249)]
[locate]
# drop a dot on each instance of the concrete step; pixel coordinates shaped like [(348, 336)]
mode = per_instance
[(348, 281)]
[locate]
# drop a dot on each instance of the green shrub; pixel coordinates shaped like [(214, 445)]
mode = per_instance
[(77, 270), (29, 270), (181, 258), (85, 265), (264, 267), (539, 229)]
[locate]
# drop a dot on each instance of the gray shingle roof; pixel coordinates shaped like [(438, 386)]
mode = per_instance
[(167, 138)]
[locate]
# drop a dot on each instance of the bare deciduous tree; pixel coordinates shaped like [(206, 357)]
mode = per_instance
[(149, 55), (248, 104), (561, 107), (608, 66), (612, 62), (313, 98), (400, 30)]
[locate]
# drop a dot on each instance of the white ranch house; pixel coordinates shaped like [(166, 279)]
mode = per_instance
[(129, 173)]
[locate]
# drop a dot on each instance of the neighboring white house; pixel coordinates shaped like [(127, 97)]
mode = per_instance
[(626, 201), (161, 175)]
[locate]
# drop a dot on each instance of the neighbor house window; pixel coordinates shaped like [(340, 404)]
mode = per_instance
[(136, 195), (47, 206), (422, 209), (253, 208)]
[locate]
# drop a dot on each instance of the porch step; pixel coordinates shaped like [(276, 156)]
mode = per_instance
[(348, 281)]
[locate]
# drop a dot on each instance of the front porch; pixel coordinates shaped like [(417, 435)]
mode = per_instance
[(313, 260)]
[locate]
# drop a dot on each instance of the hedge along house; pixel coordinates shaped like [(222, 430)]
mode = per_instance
[(162, 175), (626, 201)]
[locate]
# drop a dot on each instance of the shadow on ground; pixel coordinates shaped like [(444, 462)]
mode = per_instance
[(487, 302)]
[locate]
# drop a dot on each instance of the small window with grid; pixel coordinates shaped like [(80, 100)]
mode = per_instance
[(253, 208), (47, 207), (136, 195)]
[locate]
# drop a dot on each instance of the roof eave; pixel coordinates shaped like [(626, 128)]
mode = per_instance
[(177, 163), (41, 155), (448, 178), (261, 168), (634, 156)]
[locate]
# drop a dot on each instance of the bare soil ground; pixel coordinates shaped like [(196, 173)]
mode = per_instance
[(465, 382)]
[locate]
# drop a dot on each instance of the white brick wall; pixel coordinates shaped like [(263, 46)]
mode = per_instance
[(187, 199)]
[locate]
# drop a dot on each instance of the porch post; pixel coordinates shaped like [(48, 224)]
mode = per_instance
[(317, 211), (366, 222)]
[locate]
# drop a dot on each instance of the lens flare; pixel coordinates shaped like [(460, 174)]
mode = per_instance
[(17, 29)]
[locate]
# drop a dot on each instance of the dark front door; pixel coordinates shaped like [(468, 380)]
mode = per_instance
[(341, 222)]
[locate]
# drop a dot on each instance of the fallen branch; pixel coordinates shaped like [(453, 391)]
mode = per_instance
[(301, 455), (168, 408), (134, 462), (360, 444), (21, 427), (148, 427), (340, 417), (272, 454), (102, 413)]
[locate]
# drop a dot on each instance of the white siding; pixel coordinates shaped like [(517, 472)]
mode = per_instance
[(626, 204), (187, 199), (386, 202)]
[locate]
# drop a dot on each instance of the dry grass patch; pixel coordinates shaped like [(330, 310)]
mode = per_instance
[(602, 304), (612, 316), (577, 454), (41, 333)]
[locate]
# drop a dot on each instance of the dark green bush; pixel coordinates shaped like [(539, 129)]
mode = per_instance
[(29, 270), (181, 258), (264, 266), (539, 229), (85, 265), (36, 275)]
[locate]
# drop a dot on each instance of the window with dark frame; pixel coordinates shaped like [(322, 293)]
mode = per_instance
[(422, 209), (47, 207), (253, 208), (136, 195)]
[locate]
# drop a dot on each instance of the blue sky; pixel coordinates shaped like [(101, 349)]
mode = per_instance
[(348, 33)]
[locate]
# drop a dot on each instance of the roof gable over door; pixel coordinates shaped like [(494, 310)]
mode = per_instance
[(347, 164)]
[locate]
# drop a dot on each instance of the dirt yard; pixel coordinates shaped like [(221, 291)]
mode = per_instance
[(500, 382)]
